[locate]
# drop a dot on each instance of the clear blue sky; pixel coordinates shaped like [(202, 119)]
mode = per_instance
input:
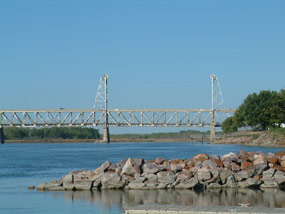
[(158, 53)]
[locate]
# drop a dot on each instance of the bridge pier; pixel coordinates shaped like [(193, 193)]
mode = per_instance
[(106, 135), (213, 130), (2, 139)]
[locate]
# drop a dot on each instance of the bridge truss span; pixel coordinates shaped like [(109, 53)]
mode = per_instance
[(117, 117)]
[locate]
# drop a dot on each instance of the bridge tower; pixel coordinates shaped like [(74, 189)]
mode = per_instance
[(101, 102), (217, 100)]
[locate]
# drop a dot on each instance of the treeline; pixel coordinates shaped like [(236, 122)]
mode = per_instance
[(163, 135), (51, 133), (260, 111)]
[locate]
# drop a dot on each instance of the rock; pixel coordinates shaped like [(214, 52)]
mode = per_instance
[(82, 175), (152, 178), (269, 183), (103, 168), (214, 186), (132, 167), (83, 185), (160, 160), (112, 180), (240, 176), (204, 174), (201, 157), (268, 173), (280, 168), (252, 182), (175, 167), (245, 165), (243, 184), (161, 186), (256, 170), (218, 162), (282, 164), (31, 187), (235, 167), (184, 175), (280, 177), (210, 164), (231, 182), (166, 177), (243, 155), (189, 162), (68, 186), (150, 168), (271, 158), (67, 179), (122, 163), (150, 185), (136, 185), (231, 157), (50, 186), (260, 159), (188, 184), (224, 175)]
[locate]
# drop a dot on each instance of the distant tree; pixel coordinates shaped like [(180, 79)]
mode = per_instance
[(229, 125)]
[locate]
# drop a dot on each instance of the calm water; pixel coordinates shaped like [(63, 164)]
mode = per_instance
[(31, 164)]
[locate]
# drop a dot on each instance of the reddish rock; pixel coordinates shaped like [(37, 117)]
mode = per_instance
[(271, 158), (152, 161), (257, 177), (201, 157), (160, 160), (244, 156), (245, 165), (271, 165), (218, 162), (187, 167), (280, 168), (210, 164), (189, 162)]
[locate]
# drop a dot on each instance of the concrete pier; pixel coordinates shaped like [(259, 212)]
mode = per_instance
[(173, 209), (2, 139)]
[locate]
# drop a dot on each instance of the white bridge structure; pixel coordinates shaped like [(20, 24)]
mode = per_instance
[(101, 116)]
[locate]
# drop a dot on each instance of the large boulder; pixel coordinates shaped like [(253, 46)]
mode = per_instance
[(166, 177), (83, 185), (204, 174), (112, 180), (253, 182), (132, 167), (259, 159), (103, 168), (188, 184), (201, 157), (241, 176), (150, 168), (225, 174), (268, 174), (271, 158), (210, 164), (280, 178)]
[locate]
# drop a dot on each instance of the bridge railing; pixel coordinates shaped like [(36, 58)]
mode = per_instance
[(117, 117)]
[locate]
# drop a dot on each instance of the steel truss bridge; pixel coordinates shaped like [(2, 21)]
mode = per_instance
[(116, 117), (101, 115)]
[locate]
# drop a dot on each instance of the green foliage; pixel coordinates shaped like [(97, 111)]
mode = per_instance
[(259, 111), (230, 125), (51, 133)]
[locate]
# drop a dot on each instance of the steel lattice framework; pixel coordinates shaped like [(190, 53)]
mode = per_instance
[(117, 117)]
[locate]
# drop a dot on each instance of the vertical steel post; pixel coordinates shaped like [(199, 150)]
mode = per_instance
[(2, 140), (106, 135)]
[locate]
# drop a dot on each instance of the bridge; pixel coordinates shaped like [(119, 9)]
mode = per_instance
[(101, 116)]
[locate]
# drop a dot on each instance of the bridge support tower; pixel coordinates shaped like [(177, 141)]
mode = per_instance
[(213, 130), (2, 139)]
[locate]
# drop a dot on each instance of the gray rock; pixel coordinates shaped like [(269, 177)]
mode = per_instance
[(159, 160), (243, 184), (256, 170), (241, 176), (253, 182), (68, 186), (280, 177), (188, 184), (112, 180), (50, 186), (204, 174), (231, 182), (166, 177), (162, 186), (210, 164), (150, 168), (136, 185), (214, 186), (152, 178), (269, 183), (67, 179), (268, 173), (132, 167), (224, 175), (103, 168), (150, 185), (83, 185)]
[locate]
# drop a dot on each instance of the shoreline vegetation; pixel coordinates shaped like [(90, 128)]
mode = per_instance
[(269, 138)]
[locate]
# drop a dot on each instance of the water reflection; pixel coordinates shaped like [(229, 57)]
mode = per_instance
[(228, 197)]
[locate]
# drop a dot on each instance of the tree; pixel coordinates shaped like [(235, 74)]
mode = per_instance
[(230, 125)]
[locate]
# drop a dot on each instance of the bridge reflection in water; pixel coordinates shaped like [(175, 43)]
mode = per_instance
[(226, 197)]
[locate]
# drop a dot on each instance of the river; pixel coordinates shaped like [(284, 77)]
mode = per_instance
[(24, 164)]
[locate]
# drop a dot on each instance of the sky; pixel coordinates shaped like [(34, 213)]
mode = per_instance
[(157, 53)]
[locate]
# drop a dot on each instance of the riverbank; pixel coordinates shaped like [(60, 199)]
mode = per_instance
[(202, 171)]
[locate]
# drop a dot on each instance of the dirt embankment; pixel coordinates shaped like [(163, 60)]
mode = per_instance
[(265, 138)]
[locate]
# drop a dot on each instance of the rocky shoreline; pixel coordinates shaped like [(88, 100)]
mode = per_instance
[(202, 171)]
